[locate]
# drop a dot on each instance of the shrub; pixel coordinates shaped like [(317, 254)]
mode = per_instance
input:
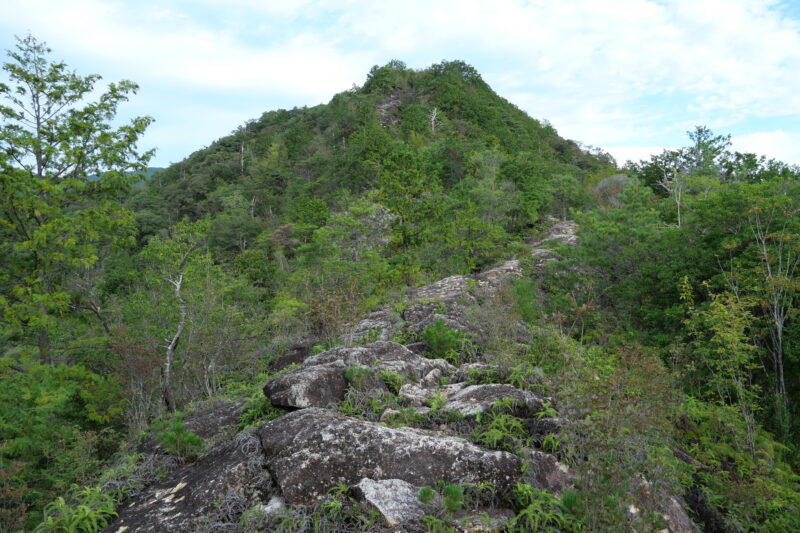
[(357, 375), (453, 498), (426, 495), (176, 439), (445, 342), (392, 380), (258, 409)]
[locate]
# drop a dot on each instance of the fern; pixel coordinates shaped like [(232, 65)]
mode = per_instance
[(541, 511), (90, 514)]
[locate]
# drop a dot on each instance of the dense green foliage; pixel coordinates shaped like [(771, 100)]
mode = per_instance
[(709, 282), (667, 335)]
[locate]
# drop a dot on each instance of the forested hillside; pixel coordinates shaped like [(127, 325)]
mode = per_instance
[(661, 337)]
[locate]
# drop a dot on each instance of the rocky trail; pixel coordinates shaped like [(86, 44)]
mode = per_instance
[(377, 418)]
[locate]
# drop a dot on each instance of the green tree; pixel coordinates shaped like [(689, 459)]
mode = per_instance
[(407, 186), (722, 345), (673, 171), (63, 168), (172, 260), (776, 233)]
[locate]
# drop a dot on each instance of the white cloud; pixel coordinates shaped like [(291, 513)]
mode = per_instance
[(778, 144), (164, 45), (606, 72), (624, 154)]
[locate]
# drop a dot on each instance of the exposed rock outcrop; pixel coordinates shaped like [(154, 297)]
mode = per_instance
[(447, 297), (320, 381), (212, 422), (296, 459), (232, 472), (319, 385), (545, 471), (562, 232), (395, 499), (476, 399), (311, 450)]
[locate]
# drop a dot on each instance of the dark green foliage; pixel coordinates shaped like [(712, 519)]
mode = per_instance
[(705, 274), (426, 495), (54, 422), (392, 380), (755, 492), (357, 375), (500, 429), (90, 514), (90, 509), (173, 436), (258, 410), (453, 498), (446, 343), (63, 169)]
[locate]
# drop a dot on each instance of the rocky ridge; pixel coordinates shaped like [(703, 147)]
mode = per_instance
[(405, 418)]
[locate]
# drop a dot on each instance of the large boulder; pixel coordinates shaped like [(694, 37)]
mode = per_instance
[(311, 450), (545, 471), (476, 399), (320, 381), (215, 418), (310, 385), (230, 478)]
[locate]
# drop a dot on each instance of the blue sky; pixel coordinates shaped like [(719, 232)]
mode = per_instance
[(628, 76)]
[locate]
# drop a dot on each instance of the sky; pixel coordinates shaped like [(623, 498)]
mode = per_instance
[(628, 76)]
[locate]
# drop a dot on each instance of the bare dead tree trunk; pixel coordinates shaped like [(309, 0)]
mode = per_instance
[(169, 356), (433, 118), (674, 187), (781, 262)]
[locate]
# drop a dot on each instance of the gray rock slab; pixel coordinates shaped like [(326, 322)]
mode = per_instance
[(182, 500), (383, 355), (396, 500), (311, 450), (317, 385), (476, 399), (545, 471), (320, 380)]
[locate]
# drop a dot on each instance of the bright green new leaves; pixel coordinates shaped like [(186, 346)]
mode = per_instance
[(63, 168), (721, 345)]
